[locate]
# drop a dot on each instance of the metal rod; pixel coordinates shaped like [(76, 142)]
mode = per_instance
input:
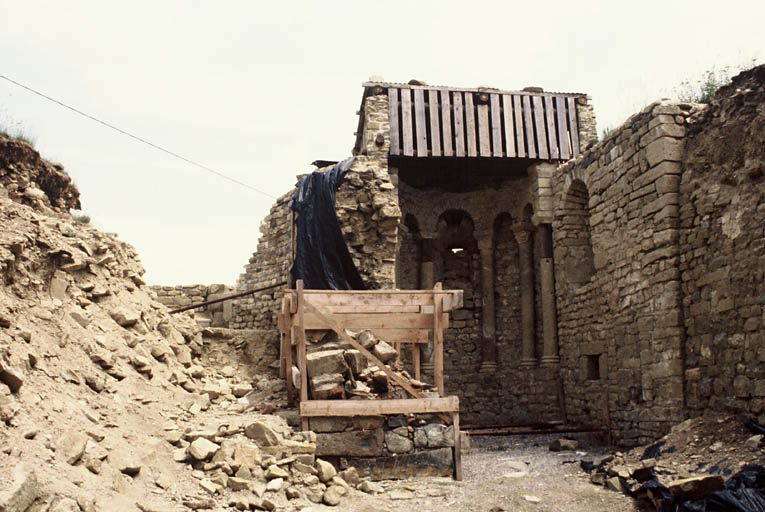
[(227, 297), (532, 431), (538, 424)]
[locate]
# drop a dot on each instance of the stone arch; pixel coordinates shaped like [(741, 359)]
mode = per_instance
[(455, 229), (575, 236)]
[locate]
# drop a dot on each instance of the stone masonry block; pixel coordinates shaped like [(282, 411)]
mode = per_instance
[(662, 149)]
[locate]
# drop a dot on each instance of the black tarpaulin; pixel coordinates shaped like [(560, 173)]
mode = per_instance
[(322, 259)]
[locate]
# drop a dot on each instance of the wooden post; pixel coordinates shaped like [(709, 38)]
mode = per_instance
[(287, 344), (438, 340), (457, 446), (301, 349), (416, 360)]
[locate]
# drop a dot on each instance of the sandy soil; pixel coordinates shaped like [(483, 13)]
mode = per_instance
[(503, 473)]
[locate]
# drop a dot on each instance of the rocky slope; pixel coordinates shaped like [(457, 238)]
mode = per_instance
[(109, 403)]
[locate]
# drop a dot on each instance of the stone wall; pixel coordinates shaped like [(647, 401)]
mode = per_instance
[(269, 265), (511, 393), (214, 315), (367, 209), (722, 259), (617, 277)]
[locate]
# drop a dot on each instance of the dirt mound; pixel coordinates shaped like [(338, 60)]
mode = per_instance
[(109, 403), (29, 179)]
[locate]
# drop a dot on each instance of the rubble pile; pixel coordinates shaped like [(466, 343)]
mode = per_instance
[(336, 370), (104, 395), (701, 459)]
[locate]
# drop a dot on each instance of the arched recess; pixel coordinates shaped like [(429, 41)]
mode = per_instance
[(575, 237)]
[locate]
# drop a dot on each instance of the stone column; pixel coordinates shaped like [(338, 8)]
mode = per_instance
[(522, 233), (549, 314), (488, 343), (427, 282)]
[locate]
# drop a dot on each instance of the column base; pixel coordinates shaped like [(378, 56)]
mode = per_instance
[(488, 367), (427, 368), (550, 361), (528, 362)]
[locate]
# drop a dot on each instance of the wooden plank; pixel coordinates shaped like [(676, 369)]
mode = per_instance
[(406, 122), (484, 130), (563, 144), (507, 112), (395, 143), (470, 135), (552, 138), (373, 308), (293, 338), (446, 123), (573, 126), (459, 128), (420, 128), (402, 335), (369, 298), (519, 137), (457, 446), (438, 344), (435, 126), (329, 320), (376, 321), (302, 350), (529, 127), (345, 408), (496, 126), (540, 126)]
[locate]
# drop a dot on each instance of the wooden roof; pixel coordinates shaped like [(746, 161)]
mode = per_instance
[(435, 121)]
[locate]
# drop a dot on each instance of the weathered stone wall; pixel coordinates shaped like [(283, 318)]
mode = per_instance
[(617, 277), (723, 251), (269, 265), (215, 315), (367, 209)]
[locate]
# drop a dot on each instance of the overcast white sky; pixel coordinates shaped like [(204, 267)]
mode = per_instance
[(258, 90)]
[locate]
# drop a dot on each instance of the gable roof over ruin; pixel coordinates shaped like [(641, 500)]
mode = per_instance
[(436, 121)]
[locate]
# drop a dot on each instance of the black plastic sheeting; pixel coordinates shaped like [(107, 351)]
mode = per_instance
[(322, 259), (744, 492)]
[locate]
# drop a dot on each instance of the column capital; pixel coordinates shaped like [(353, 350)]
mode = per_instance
[(522, 232)]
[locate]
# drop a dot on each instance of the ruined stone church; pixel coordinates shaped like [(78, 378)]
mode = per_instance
[(616, 284)]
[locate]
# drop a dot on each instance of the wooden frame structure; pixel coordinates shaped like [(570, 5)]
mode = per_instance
[(397, 316)]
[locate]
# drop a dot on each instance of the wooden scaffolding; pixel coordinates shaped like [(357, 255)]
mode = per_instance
[(396, 316)]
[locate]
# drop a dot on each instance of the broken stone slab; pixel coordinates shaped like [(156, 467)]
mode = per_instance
[(21, 492), (754, 442), (327, 386), (357, 443), (262, 434), (697, 487), (326, 361), (367, 339), (274, 471), (202, 449), (124, 317), (371, 487), (384, 352), (437, 462), (330, 424), (11, 378), (559, 445), (71, 446), (355, 361), (238, 484)]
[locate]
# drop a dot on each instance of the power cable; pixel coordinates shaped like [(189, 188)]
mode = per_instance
[(136, 137)]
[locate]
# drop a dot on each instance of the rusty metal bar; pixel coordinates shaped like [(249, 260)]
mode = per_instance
[(532, 431), (227, 297), (538, 424)]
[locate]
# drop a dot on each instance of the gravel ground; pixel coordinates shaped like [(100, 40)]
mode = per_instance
[(514, 473)]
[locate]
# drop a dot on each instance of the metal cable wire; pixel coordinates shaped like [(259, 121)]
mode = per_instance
[(136, 137)]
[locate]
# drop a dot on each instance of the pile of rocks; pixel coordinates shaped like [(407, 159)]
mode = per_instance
[(262, 465), (336, 370)]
